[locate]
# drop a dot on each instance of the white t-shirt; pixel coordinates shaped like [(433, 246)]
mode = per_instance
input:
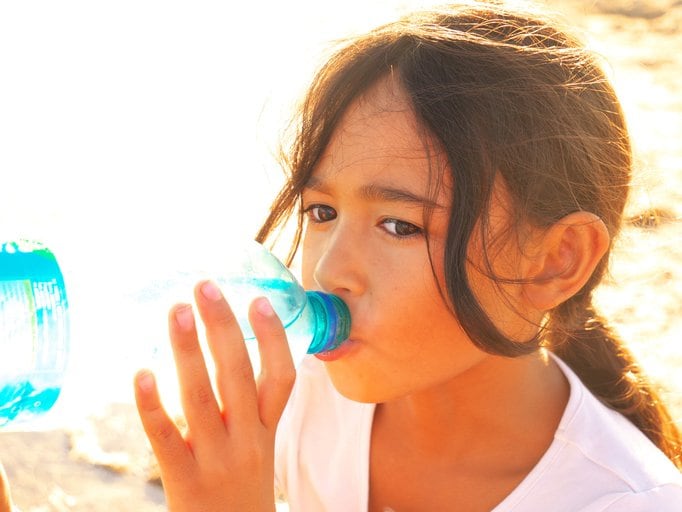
[(598, 460)]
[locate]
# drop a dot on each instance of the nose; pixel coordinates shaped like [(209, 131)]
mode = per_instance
[(339, 266)]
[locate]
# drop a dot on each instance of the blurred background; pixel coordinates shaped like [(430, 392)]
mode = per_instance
[(135, 135)]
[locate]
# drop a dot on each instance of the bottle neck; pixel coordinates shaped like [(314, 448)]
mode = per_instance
[(331, 321)]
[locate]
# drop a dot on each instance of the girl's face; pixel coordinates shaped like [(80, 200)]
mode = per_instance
[(365, 241)]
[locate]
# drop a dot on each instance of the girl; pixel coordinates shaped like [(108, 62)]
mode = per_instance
[(459, 176)]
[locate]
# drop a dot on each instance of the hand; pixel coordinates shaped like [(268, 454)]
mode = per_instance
[(5, 498), (225, 460)]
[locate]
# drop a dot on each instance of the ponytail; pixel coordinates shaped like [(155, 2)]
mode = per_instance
[(580, 337)]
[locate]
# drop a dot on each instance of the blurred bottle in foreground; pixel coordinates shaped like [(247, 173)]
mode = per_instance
[(34, 319), (34, 330)]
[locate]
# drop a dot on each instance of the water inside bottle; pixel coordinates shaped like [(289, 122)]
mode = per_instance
[(26, 398), (287, 298)]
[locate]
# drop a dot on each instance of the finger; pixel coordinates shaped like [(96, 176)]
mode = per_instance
[(202, 411), (233, 371), (277, 367), (170, 448), (5, 496)]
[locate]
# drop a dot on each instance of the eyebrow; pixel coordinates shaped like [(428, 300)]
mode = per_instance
[(381, 193)]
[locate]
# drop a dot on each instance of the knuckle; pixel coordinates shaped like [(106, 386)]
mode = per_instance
[(240, 370), (202, 395), (186, 343), (188, 347), (283, 377), (252, 456), (222, 316), (242, 367), (218, 312), (275, 330), (274, 326), (221, 321), (161, 431)]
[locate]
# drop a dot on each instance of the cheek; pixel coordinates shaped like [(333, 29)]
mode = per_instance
[(309, 258), (413, 300)]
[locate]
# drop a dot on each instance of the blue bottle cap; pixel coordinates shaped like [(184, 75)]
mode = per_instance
[(332, 321)]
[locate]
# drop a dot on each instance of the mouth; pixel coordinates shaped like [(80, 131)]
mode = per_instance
[(337, 353)]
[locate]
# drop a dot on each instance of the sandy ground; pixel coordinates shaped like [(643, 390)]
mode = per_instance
[(84, 469)]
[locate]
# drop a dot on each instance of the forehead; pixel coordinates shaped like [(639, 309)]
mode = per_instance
[(379, 137)]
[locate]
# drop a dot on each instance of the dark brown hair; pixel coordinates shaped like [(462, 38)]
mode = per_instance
[(504, 94)]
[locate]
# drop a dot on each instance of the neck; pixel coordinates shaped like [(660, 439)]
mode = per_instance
[(500, 407)]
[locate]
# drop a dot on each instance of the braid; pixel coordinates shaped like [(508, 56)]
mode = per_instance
[(583, 340)]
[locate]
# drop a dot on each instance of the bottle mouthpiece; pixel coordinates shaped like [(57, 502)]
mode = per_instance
[(332, 321)]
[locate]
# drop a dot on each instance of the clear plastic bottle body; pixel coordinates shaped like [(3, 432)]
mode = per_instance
[(314, 321), (34, 334), (34, 328)]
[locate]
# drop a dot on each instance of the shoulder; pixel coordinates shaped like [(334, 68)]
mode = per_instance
[(609, 442), (666, 498), (599, 461)]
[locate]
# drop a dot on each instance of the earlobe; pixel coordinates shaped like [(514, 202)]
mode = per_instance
[(564, 259)]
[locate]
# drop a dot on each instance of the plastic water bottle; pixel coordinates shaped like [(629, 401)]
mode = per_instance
[(34, 331), (34, 322), (315, 321)]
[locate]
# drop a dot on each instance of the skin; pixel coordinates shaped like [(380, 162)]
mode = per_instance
[(5, 498), (225, 460)]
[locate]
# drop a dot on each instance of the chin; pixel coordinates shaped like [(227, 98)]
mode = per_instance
[(358, 390)]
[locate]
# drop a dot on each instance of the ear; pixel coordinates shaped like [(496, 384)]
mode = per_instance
[(564, 259)]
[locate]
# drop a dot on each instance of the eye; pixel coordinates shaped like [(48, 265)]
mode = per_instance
[(320, 213), (400, 229)]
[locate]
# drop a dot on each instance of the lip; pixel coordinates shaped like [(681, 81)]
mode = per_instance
[(337, 353)]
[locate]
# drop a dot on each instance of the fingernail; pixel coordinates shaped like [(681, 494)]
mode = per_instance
[(145, 381), (264, 307), (184, 317), (211, 291)]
